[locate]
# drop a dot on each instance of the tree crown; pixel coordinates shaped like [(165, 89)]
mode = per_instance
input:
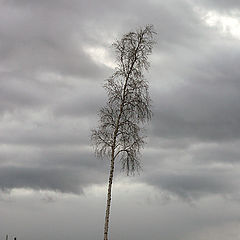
[(120, 130)]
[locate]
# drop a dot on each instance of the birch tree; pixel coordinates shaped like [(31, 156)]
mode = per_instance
[(121, 121)]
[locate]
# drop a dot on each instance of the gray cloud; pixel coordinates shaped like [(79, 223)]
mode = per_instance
[(50, 91), (36, 178), (195, 184), (28, 45), (66, 171), (41, 48), (205, 104), (221, 4), (224, 153)]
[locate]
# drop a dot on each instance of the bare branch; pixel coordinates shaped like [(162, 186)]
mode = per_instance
[(129, 103)]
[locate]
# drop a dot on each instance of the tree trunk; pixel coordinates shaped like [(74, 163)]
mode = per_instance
[(110, 180)]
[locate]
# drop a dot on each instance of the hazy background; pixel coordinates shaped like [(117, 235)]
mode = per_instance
[(54, 58)]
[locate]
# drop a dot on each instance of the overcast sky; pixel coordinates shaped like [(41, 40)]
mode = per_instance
[(54, 58)]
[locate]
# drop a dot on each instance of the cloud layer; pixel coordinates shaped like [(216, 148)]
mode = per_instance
[(54, 57)]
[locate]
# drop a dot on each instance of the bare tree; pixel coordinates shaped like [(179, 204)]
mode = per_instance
[(120, 130)]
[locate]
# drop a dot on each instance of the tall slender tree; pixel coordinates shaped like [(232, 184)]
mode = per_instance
[(120, 131)]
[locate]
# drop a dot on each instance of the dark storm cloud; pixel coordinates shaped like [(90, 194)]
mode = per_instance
[(11, 95), (39, 39), (47, 40), (45, 135), (36, 178), (81, 103), (199, 183), (194, 171), (67, 171), (205, 103), (17, 91), (54, 179)]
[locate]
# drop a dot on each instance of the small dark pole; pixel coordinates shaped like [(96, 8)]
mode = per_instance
[(6, 237), (15, 238)]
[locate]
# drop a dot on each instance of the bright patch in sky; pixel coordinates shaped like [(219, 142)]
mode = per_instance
[(100, 55), (226, 24)]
